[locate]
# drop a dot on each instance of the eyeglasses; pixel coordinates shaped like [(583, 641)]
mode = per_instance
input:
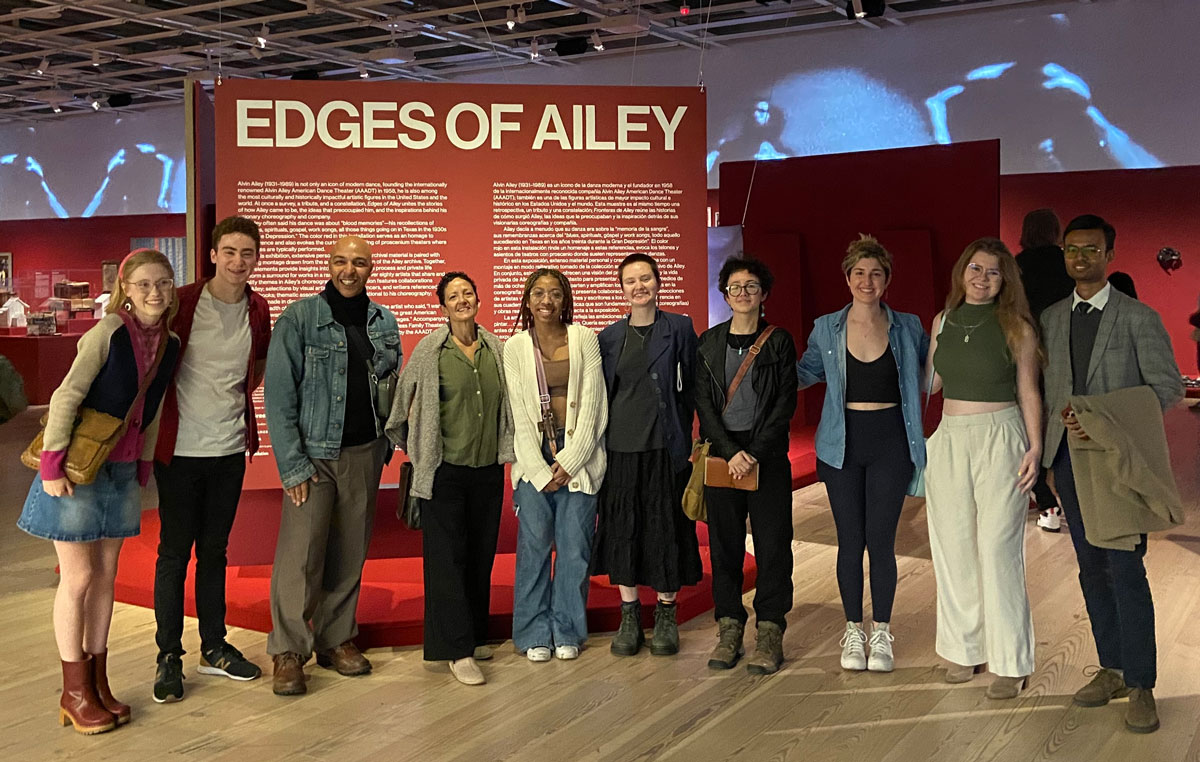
[(976, 270), (145, 286), (1082, 251), (751, 288)]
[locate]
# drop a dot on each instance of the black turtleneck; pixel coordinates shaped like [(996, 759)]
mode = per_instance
[(358, 426)]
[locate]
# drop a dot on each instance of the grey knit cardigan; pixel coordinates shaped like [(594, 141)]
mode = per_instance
[(415, 424)]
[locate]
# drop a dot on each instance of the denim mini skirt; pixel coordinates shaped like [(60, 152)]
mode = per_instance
[(110, 507)]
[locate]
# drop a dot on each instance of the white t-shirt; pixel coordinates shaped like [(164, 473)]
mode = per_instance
[(211, 381)]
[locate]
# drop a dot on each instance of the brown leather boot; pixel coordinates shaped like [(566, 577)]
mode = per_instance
[(79, 705), (346, 659), (289, 675), (100, 675)]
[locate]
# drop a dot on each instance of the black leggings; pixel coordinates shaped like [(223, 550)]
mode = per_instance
[(866, 495)]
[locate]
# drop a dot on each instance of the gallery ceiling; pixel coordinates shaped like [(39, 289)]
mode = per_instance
[(58, 59)]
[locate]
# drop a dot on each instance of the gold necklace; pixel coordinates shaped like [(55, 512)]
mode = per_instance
[(969, 329)]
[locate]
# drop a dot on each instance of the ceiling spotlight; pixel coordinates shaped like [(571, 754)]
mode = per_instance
[(861, 9), (685, 9), (95, 58), (57, 108), (42, 67), (533, 50), (596, 43), (510, 18), (261, 38), (520, 14), (362, 72), (95, 104)]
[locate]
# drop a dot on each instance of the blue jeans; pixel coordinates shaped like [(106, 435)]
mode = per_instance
[(552, 612), (1115, 590)]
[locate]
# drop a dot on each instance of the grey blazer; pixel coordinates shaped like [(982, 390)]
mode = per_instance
[(1132, 349)]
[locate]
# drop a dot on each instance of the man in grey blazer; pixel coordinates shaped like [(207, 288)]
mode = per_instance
[(1098, 340)]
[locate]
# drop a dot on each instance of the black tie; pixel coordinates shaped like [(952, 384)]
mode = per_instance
[(1083, 308)]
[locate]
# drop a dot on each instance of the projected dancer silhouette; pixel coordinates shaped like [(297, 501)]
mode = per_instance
[(753, 138), (1061, 117)]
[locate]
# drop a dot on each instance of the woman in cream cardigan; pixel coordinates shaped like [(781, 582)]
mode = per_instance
[(555, 479)]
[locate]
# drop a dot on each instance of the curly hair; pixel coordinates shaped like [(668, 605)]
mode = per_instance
[(753, 266)]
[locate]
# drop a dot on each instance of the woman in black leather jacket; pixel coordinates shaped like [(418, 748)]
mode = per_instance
[(749, 431)]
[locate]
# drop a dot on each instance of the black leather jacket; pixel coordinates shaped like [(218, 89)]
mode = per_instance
[(775, 385)]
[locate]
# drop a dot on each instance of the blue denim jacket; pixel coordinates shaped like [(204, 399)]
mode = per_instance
[(305, 382), (825, 360)]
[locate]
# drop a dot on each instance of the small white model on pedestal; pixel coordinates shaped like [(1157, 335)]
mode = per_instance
[(101, 303), (12, 314)]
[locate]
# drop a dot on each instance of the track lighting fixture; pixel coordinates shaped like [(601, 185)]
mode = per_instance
[(510, 18)]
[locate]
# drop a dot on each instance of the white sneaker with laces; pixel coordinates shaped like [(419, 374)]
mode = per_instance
[(1050, 520), (881, 648), (854, 657), (566, 653), (538, 653)]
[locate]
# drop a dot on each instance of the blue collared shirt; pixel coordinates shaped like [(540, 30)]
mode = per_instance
[(825, 360)]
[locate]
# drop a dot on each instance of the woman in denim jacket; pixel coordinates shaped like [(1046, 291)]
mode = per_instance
[(869, 440)]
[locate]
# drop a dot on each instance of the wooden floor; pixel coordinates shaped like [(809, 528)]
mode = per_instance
[(603, 707)]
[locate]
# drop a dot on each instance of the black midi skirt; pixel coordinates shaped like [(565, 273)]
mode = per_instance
[(643, 537)]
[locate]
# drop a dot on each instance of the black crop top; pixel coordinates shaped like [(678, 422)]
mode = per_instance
[(875, 381)]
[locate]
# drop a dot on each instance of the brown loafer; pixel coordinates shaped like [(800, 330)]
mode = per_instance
[(289, 675), (346, 659), (1141, 715)]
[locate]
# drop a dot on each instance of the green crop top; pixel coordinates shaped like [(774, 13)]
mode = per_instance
[(972, 356)]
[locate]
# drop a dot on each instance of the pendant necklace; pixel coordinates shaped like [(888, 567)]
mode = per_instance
[(747, 338), (643, 332), (969, 329)]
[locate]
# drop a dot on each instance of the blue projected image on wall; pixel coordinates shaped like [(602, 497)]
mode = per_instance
[(1045, 115), (88, 167)]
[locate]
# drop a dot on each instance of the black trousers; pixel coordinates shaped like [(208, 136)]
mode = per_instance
[(460, 527), (866, 495), (197, 502), (1115, 590), (770, 512)]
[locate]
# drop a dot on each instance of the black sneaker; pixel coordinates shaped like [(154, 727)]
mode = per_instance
[(228, 661), (168, 679)]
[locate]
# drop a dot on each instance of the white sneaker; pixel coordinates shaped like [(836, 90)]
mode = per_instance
[(1050, 520), (538, 653), (854, 657), (881, 648), (566, 653)]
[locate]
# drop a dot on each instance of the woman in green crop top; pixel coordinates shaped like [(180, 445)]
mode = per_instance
[(982, 463)]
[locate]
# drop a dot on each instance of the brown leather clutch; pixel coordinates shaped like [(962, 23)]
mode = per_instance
[(716, 474)]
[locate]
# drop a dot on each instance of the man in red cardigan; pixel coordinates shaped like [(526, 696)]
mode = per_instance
[(206, 430)]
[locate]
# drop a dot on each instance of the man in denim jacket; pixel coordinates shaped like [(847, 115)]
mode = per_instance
[(327, 352)]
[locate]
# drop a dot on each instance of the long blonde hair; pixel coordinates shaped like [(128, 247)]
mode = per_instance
[(134, 260), (1012, 308)]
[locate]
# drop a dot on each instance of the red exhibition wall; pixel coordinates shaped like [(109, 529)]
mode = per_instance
[(924, 205), (78, 245), (493, 180), (1150, 208)]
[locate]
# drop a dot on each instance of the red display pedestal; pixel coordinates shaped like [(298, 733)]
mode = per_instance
[(13, 331), (42, 361), (81, 325)]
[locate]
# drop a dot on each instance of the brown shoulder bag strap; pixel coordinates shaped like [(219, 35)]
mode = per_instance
[(746, 363)]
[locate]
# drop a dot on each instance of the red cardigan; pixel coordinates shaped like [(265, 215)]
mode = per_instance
[(260, 337)]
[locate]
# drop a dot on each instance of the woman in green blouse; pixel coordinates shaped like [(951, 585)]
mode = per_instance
[(451, 416)]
